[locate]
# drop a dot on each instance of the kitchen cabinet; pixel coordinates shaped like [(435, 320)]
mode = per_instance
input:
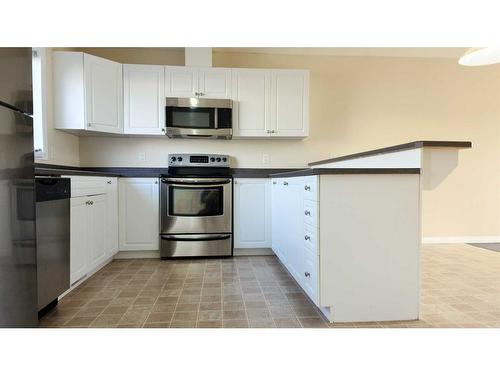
[(78, 238), (88, 93), (138, 214), (189, 82), (144, 99), (251, 90), (94, 224), (112, 216), (96, 234), (252, 213), (270, 103), (289, 103)]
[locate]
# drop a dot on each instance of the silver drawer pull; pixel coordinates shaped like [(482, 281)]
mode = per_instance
[(307, 188), (109, 182), (307, 238), (285, 183), (307, 213), (307, 274), (274, 182)]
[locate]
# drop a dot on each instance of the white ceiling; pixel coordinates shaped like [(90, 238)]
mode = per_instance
[(429, 52)]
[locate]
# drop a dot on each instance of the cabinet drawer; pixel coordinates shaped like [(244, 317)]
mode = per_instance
[(88, 185), (311, 238), (310, 276), (311, 213), (311, 188)]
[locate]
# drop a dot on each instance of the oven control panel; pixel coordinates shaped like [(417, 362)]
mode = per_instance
[(198, 160)]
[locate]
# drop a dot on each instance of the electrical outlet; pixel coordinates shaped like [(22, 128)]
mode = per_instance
[(141, 156), (265, 158)]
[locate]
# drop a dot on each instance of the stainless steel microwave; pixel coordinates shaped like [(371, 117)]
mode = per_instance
[(199, 118)]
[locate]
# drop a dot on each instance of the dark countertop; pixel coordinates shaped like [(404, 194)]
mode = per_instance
[(58, 170), (326, 171), (401, 147)]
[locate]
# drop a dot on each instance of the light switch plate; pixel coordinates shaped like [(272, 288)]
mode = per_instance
[(141, 156), (265, 158)]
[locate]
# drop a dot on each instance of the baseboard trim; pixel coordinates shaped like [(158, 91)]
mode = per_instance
[(465, 239), (253, 251), (138, 254)]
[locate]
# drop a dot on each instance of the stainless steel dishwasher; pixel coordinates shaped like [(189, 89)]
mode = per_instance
[(52, 239)]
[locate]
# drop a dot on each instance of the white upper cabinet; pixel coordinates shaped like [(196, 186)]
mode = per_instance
[(181, 82), (189, 82), (88, 93), (252, 213), (270, 103), (290, 103), (144, 99), (251, 91), (214, 83)]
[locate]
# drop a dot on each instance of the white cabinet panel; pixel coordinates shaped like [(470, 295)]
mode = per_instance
[(112, 216), (252, 213), (290, 103), (181, 82), (78, 238), (144, 99), (215, 83), (103, 94), (251, 91), (88, 93), (278, 204), (97, 230), (138, 214)]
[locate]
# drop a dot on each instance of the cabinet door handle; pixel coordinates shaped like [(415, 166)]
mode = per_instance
[(307, 274), (87, 203), (109, 182), (307, 213), (200, 94), (163, 130), (91, 203), (307, 238), (156, 182), (307, 188), (285, 183), (274, 182)]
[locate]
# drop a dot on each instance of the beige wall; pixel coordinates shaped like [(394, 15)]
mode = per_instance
[(360, 103)]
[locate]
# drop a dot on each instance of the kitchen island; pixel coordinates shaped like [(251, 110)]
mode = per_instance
[(348, 229)]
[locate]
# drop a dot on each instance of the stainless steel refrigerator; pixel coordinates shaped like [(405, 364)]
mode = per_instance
[(18, 278)]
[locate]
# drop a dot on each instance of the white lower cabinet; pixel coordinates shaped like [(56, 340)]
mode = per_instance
[(138, 214), (78, 238), (94, 224), (295, 213), (112, 216), (252, 213)]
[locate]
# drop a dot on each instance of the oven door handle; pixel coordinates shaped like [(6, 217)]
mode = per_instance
[(197, 183), (195, 237)]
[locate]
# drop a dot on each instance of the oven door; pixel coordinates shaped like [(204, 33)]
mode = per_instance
[(196, 205)]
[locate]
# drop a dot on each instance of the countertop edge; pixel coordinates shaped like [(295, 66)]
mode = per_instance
[(396, 148), (338, 171)]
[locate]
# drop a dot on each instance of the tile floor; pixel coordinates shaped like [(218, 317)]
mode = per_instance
[(460, 288)]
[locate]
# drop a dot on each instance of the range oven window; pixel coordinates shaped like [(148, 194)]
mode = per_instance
[(190, 118), (195, 201)]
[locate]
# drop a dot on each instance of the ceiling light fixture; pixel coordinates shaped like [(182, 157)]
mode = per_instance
[(480, 56)]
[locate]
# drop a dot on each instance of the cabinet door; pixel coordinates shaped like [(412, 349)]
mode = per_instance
[(112, 216), (252, 213), (290, 103), (97, 230), (215, 83), (181, 82), (293, 223), (78, 239), (251, 91), (138, 214), (144, 99), (278, 229), (103, 94)]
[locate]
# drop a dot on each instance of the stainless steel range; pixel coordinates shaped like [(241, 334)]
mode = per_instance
[(196, 206)]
